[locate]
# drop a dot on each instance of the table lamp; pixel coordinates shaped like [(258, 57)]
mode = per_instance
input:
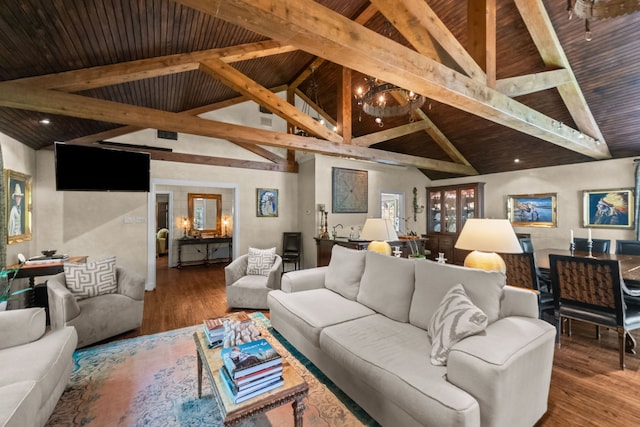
[(484, 237), (379, 231)]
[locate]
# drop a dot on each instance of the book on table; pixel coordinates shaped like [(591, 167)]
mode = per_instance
[(256, 377), (239, 397), (247, 358), (239, 390), (214, 326)]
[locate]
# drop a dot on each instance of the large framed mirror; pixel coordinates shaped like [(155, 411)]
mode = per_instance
[(205, 214)]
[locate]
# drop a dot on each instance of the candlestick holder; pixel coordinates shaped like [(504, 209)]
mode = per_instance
[(572, 247), (590, 247)]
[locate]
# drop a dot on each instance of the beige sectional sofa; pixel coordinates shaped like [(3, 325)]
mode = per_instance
[(35, 367), (364, 319)]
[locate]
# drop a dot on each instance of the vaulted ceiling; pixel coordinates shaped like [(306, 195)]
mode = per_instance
[(503, 79)]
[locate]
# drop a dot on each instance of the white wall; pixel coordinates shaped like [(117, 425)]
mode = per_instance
[(568, 182)]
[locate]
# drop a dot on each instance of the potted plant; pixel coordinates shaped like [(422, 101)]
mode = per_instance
[(6, 281)]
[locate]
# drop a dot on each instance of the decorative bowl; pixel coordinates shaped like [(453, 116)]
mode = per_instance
[(48, 253)]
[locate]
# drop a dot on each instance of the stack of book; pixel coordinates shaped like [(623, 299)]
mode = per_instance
[(214, 327), (250, 369)]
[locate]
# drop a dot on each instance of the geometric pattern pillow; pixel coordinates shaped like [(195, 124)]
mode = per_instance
[(91, 279), (260, 261), (456, 318)]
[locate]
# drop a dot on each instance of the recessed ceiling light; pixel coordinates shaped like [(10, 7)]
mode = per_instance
[(45, 121), (516, 160)]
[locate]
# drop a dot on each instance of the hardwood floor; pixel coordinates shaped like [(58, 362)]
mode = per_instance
[(587, 388)]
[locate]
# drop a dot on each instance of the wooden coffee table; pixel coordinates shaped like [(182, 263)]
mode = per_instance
[(294, 390)]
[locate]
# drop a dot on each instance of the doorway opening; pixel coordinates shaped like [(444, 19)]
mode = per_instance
[(392, 207)]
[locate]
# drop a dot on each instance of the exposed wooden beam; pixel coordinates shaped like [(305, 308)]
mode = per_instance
[(539, 25), (522, 85), (481, 36), (443, 142), (89, 78), (361, 19), (312, 27), (436, 134), (311, 103), (24, 97), (344, 105), (124, 130), (413, 18), (263, 96), (387, 134)]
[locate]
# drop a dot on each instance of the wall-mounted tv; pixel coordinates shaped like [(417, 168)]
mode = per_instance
[(87, 168)]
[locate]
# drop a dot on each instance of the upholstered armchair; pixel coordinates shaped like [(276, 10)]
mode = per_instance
[(161, 241), (250, 290), (99, 317)]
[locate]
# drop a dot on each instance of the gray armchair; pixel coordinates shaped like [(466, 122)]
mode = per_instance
[(250, 291), (101, 317)]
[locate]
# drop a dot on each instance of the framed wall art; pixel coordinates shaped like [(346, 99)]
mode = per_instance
[(18, 205), (608, 208), (267, 202), (350, 191), (532, 210)]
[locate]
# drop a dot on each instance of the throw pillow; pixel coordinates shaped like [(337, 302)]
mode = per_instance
[(345, 271), (91, 279), (387, 285), (456, 318), (260, 261)]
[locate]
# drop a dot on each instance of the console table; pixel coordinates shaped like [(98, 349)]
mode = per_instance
[(206, 243), (324, 247)]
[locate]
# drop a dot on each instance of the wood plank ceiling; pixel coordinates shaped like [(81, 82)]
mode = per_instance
[(503, 79)]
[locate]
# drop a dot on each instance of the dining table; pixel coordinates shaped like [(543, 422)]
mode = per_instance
[(629, 264)]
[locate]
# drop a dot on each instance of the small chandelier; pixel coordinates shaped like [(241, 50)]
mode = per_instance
[(374, 101), (600, 9)]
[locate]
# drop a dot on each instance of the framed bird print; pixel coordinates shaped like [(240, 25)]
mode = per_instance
[(350, 191)]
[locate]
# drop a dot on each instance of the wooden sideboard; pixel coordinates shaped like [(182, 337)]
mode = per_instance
[(206, 243), (324, 246)]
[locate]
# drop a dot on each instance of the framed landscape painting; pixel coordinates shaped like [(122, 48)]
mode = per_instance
[(18, 205), (532, 210), (608, 208), (267, 201)]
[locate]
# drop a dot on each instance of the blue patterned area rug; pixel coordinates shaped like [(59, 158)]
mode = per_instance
[(152, 381)]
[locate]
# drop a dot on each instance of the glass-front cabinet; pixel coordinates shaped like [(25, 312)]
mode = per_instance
[(449, 208)]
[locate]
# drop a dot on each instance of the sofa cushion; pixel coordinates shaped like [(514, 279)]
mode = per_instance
[(309, 310), (19, 404), (21, 326), (260, 261), (433, 281), (87, 280), (387, 285), (345, 271), (393, 357), (455, 319)]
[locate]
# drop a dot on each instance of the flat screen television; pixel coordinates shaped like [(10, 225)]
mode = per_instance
[(86, 168)]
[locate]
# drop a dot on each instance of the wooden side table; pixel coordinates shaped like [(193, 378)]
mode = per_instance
[(294, 390)]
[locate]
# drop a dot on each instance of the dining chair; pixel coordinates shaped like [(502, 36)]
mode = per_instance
[(522, 272), (628, 247), (590, 290), (291, 249), (600, 246)]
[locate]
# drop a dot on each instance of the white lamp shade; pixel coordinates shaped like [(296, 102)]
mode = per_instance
[(488, 235), (378, 229)]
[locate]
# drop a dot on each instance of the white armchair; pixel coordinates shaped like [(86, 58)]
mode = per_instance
[(99, 317), (250, 291)]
